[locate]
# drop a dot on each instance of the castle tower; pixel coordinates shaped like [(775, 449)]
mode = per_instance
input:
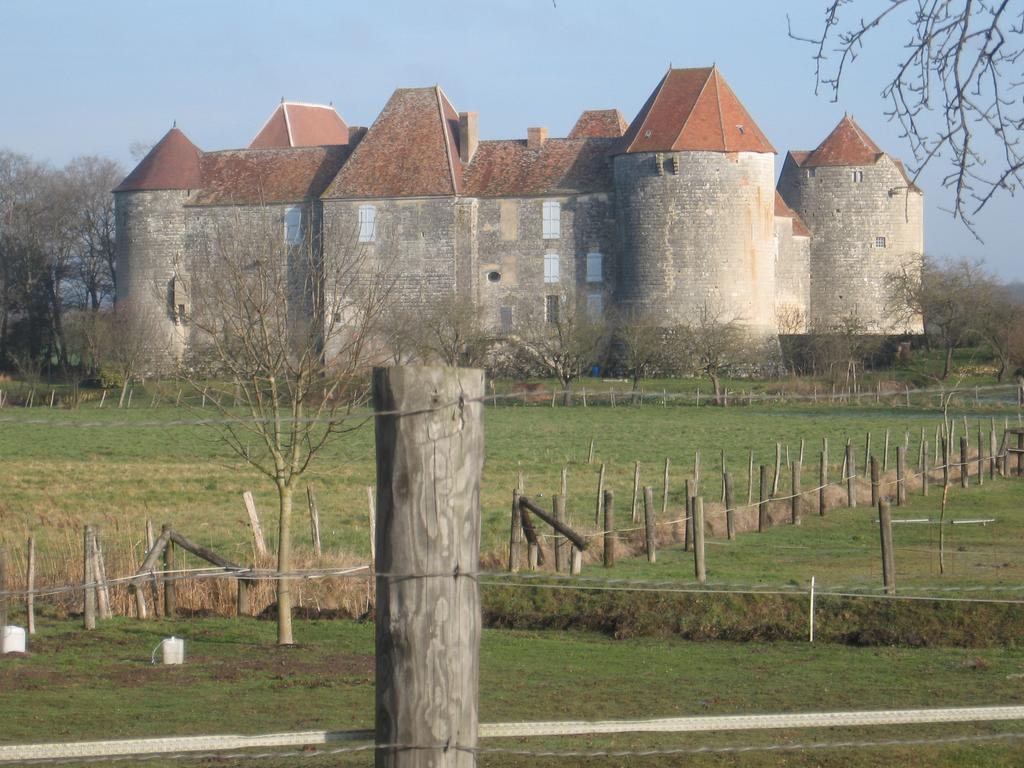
[(866, 220), (150, 224), (694, 183)]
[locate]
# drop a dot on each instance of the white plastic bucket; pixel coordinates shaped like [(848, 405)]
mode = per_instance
[(12, 640), (174, 650)]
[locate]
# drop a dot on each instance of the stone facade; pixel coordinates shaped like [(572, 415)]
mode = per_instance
[(676, 212)]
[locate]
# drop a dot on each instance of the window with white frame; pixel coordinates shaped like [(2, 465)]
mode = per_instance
[(551, 268), (367, 223), (858, 176), (595, 305), (594, 273), (292, 225), (879, 242), (552, 213)]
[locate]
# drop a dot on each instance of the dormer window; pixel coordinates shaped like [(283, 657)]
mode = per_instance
[(292, 225), (367, 223), (552, 220)]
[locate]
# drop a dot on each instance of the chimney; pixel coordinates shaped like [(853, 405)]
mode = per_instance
[(535, 137), (469, 136)]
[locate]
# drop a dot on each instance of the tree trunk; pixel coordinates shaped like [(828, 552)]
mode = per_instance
[(636, 387), (718, 388), (567, 392), (284, 564), (948, 366)]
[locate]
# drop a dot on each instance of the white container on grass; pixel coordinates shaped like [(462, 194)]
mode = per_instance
[(12, 639), (174, 650)]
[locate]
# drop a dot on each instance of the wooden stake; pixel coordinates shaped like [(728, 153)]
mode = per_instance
[(609, 529), (100, 573), (635, 515), (649, 524), (696, 473), (888, 565), (576, 566), (885, 453), (515, 536), (851, 476), (664, 493), (314, 521), (170, 596), (901, 476), (924, 469), (730, 523), (750, 477), (762, 505), (687, 520), (778, 469), (30, 586), (822, 482), (698, 541), (981, 456), (429, 523), (965, 469), (599, 502), (89, 589), (794, 502), (3, 587), (561, 554), (254, 523), (874, 481), (590, 455), (371, 514)]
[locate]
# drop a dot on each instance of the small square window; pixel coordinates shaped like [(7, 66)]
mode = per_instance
[(551, 268), (858, 176), (551, 308), (594, 273), (879, 242), (552, 220)]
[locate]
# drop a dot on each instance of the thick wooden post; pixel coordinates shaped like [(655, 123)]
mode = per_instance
[(762, 503), (430, 449), (924, 469), (170, 596), (599, 503), (689, 537), (885, 526), (635, 512), (561, 548), (750, 477), (874, 481), (981, 456), (1020, 452), (698, 540), (515, 536), (794, 502), (30, 586), (778, 469), (664, 491), (254, 523), (88, 580), (649, 524), (885, 453), (822, 482), (901, 475), (371, 510), (730, 507), (965, 469), (314, 521), (685, 533), (851, 477), (609, 529), (3, 588), (993, 450)]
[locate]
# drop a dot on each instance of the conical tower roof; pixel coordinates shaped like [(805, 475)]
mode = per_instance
[(846, 145), (172, 164), (694, 109)]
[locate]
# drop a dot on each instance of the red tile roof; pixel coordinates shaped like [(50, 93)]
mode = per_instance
[(411, 150), (255, 176), (846, 145), (694, 109), (301, 125), (559, 166), (173, 163), (599, 123), (782, 210)]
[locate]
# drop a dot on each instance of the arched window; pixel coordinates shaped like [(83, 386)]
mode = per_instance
[(551, 269), (367, 223)]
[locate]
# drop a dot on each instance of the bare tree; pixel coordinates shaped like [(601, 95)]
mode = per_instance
[(1000, 324), (560, 338), (452, 329), (127, 339), (292, 331), (93, 269), (641, 344), (841, 347), (713, 343), (956, 88)]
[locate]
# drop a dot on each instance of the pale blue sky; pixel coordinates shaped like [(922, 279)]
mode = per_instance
[(93, 77)]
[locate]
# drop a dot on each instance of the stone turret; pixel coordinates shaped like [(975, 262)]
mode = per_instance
[(866, 220), (150, 220), (694, 185)]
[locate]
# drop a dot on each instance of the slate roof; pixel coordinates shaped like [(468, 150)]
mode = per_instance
[(599, 123), (782, 210), (173, 163), (260, 176), (694, 109), (301, 125), (559, 166), (411, 150)]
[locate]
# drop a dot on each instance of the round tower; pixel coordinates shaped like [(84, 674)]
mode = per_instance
[(150, 221), (694, 186), (867, 222)]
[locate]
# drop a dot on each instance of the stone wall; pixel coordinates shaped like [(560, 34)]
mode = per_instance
[(846, 217), (698, 227), (792, 279)]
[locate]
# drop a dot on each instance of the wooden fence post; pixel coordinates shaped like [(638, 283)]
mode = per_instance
[(599, 503), (851, 477), (993, 449), (3, 587), (430, 449), (649, 524), (924, 468), (867, 448), (750, 477), (794, 502), (965, 468), (664, 491), (730, 505), (89, 588), (609, 529), (254, 522), (822, 482), (762, 504), (698, 540), (901, 475), (515, 536), (874, 481), (685, 533), (371, 511), (314, 521), (778, 469), (945, 462), (885, 453), (688, 523), (100, 574), (170, 596), (30, 585), (885, 526), (558, 510), (1020, 451), (590, 454), (635, 513)]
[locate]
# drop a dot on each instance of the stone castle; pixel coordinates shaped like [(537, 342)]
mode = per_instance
[(675, 211)]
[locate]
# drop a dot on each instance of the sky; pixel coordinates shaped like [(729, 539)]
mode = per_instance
[(95, 77)]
